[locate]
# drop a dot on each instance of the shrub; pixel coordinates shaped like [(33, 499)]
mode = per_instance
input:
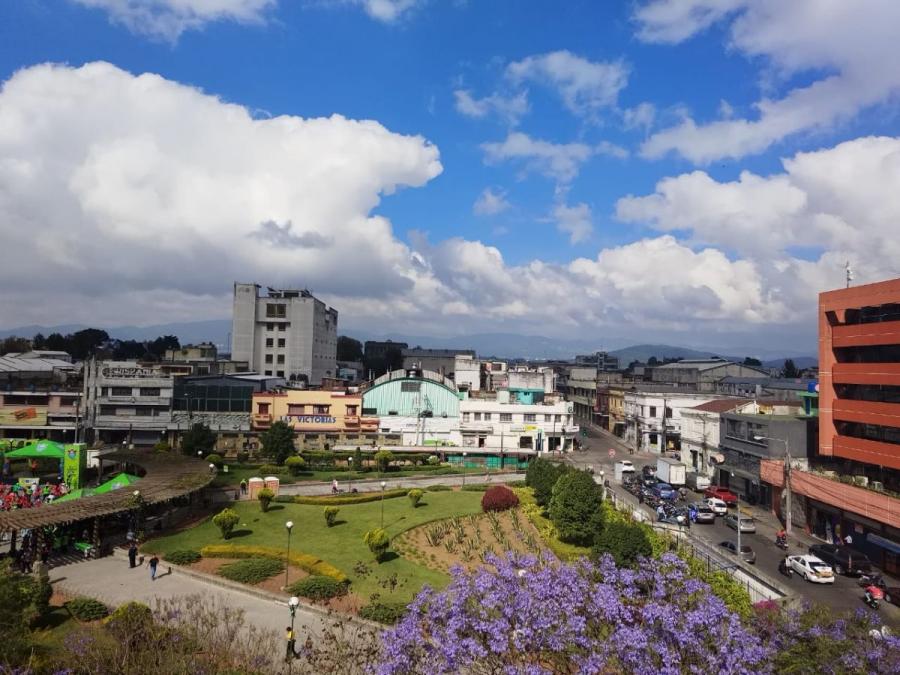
[(438, 488), (625, 542), (214, 458), (499, 498), (130, 622), (331, 513), (378, 541), (183, 557), (318, 588), (478, 487), (295, 465), (87, 609), (265, 497), (434, 460), (161, 446), (307, 563), (383, 459), (383, 612), (541, 476), (516, 484), (360, 498), (575, 508), (357, 460), (272, 470), (278, 442), (415, 496), (225, 520), (251, 570), (243, 457)]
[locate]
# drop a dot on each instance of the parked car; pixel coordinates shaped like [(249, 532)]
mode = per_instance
[(747, 523), (649, 482), (664, 491), (722, 493), (843, 559), (811, 568), (717, 506), (697, 482), (747, 554), (705, 514)]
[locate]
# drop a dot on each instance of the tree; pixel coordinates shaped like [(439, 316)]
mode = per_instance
[(378, 541), (85, 342), (159, 346), (652, 361), (199, 438), (226, 520), (295, 465), (750, 361), (128, 350), (14, 344), (625, 542), (349, 349), (278, 442), (415, 496), (39, 341), (541, 476), (357, 460), (57, 343), (383, 459), (790, 370), (23, 599), (265, 497), (575, 508)]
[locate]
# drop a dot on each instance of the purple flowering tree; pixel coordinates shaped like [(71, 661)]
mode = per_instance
[(535, 616)]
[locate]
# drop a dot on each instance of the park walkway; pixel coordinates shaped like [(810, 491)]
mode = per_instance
[(370, 485)]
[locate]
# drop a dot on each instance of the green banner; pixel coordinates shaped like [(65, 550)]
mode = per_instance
[(74, 465)]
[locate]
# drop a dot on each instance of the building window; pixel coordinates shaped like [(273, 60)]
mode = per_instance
[(280, 373), (557, 418), (487, 417), (268, 358), (103, 391), (652, 411), (269, 373), (530, 417), (281, 342), (276, 311), (296, 409), (506, 417), (270, 342), (149, 391), (465, 417), (263, 408), (120, 391), (351, 411), (280, 358), (321, 409), (270, 326), (410, 387), (548, 418), (143, 411), (282, 327), (478, 417)]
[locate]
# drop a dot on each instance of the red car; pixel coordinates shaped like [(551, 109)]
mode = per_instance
[(722, 493)]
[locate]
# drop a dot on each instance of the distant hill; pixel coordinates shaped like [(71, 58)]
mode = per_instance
[(215, 331), (644, 352), (799, 361)]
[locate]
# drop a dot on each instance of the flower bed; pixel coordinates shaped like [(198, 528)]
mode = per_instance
[(307, 563)]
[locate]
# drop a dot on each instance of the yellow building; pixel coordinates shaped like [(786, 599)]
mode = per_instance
[(318, 417), (616, 402)]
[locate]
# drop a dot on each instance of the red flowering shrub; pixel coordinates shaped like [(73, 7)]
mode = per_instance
[(499, 498)]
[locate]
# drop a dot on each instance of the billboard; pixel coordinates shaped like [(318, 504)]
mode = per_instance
[(23, 416)]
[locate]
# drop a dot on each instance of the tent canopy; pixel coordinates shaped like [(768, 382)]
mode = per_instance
[(74, 494), (120, 481), (48, 449)]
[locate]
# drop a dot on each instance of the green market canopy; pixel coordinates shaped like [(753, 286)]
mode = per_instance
[(74, 494), (48, 449), (120, 481)]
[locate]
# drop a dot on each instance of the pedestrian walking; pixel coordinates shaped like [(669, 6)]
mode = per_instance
[(154, 561), (291, 647), (243, 486), (132, 555), (334, 486)]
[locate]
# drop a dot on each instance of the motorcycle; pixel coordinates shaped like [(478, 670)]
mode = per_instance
[(785, 569), (873, 579), (873, 596), (781, 542)]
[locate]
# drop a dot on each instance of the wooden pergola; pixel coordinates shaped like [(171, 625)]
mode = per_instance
[(166, 477)]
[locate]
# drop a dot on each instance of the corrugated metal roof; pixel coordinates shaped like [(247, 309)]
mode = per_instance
[(19, 365)]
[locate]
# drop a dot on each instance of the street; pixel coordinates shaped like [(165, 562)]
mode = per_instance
[(844, 595)]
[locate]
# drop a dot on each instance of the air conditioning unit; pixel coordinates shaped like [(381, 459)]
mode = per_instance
[(830, 474), (877, 485), (862, 481)]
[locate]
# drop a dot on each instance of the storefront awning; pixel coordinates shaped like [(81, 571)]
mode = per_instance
[(891, 546)]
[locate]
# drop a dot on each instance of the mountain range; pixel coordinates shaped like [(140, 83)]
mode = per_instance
[(501, 345)]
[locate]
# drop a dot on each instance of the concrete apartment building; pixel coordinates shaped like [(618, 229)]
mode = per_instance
[(700, 432), (653, 417), (284, 333), (441, 361), (702, 374)]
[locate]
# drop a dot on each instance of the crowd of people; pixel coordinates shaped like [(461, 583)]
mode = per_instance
[(20, 496)]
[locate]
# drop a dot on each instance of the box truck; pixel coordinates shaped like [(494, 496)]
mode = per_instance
[(670, 471)]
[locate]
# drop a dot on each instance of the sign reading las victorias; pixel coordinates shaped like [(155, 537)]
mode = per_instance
[(309, 419)]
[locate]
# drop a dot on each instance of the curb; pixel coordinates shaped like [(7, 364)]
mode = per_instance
[(258, 593)]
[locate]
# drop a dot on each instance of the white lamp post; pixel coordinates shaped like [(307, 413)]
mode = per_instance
[(465, 454), (383, 486), (289, 525)]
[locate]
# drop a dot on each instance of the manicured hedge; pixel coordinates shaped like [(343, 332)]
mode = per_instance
[(306, 562), (87, 609), (438, 488), (318, 588), (251, 570), (479, 487), (499, 498), (184, 557), (359, 498), (383, 612)]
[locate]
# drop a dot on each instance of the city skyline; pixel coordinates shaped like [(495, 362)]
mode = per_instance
[(680, 172)]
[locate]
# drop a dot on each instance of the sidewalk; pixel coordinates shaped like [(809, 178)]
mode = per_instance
[(374, 484)]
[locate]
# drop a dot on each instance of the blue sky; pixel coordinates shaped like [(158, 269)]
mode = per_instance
[(537, 76)]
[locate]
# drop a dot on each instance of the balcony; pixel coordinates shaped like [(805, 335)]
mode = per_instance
[(867, 412), (865, 334), (351, 420), (866, 373), (261, 420), (869, 452)]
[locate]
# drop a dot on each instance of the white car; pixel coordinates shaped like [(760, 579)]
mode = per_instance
[(811, 568), (627, 466), (718, 507)]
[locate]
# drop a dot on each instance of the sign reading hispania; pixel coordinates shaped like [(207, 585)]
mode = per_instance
[(309, 419)]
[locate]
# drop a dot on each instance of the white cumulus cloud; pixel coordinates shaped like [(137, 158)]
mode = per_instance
[(490, 202), (575, 221), (846, 46), (509, 108), (560, 161)]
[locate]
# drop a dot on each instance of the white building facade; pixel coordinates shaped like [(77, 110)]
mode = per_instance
[(284, 333), (501, 424), (653, 419), (700, 432)]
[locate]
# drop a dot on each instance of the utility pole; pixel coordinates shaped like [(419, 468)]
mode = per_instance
[(787, 485), (849, 273), (663, 447)]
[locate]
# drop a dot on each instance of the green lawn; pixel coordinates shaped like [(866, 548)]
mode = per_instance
[(341, 545), (237, 473)]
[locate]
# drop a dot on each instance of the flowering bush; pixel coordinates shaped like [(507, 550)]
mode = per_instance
[(499, 498)]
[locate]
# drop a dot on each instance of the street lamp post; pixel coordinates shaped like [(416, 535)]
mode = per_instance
[(383, 485), (289, 525), (293, 603), (465, 454), (602, 484), (787, 478)]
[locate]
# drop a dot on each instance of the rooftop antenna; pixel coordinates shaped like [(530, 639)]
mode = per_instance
[(849, 271)]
